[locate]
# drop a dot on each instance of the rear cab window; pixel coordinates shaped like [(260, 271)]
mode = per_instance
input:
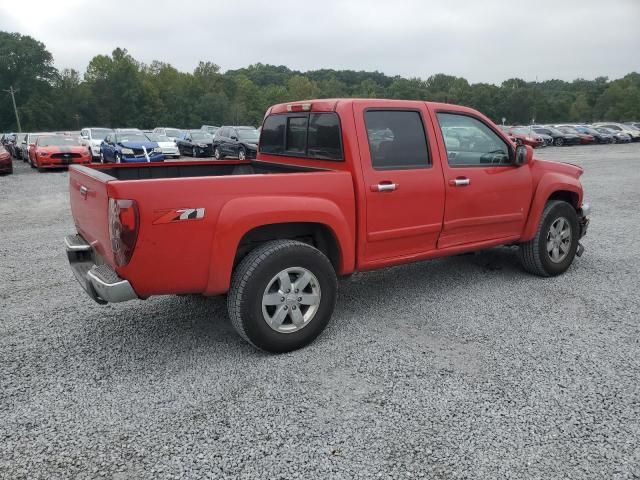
[(307, 135), (397, 139)]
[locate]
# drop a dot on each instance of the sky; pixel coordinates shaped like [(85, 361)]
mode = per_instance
[(480, 40)]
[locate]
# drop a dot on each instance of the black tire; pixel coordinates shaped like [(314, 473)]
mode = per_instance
[(242, 154), (194, 152), (253, 275), (117, 158), (217, 153), (534, 255), (558, 142)]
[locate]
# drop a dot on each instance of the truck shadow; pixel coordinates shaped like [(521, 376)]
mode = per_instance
[(194, 325)]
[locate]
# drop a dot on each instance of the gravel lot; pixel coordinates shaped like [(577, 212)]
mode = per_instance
[(459, 368)]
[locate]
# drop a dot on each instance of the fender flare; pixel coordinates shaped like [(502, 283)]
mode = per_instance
[(549, 184), (241, 215)]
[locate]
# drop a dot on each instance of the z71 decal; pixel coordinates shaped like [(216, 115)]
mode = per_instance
[(178, 215)]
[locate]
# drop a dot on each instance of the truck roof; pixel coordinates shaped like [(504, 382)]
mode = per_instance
[(331, 104)]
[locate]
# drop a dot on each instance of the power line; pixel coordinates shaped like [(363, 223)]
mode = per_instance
[(15, 109)]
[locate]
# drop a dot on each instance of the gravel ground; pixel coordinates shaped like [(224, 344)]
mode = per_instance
[(459, 368)]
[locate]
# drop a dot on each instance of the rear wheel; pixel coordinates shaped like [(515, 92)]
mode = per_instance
[(217, 154), (194, 152), (553, 249), (242, 155), (282, 295)]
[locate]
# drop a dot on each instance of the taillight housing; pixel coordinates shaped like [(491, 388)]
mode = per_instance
[(123, 229)]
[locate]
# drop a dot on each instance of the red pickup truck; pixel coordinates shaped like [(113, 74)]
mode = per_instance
[(338, 186)]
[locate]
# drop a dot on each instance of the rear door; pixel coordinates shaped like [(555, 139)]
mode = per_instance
[(403, 186), (488, 198)]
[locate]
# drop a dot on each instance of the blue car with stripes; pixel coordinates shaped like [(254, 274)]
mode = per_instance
[(129, 146)]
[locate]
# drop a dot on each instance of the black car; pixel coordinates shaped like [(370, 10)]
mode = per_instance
[(196, 143), (559, 138), (600, 137), (241, 142)]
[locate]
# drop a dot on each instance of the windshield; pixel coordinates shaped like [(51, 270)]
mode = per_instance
[(57, 141), (172, 132), (249, 136), (154, 137), (100, 133), (132, 137), (201, 136)]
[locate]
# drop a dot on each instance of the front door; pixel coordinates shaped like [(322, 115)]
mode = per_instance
[(488, 197), (403, 187)]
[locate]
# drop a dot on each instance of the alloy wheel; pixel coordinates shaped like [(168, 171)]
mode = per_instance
[(291, 300)]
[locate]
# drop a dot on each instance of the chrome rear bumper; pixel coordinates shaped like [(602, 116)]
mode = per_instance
[(100, 282)]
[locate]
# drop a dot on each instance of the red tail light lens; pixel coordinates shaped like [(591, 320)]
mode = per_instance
[(123, 229)]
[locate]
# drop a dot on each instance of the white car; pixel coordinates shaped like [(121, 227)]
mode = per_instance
[(634, 133), (173, 133), (169, 147), (93, 137)]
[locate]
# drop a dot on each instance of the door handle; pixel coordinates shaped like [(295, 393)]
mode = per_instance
[(83, 191), (460, 182), (384, 187)]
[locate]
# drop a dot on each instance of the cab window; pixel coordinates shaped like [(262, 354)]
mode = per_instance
[(470, 142), (397, 139)]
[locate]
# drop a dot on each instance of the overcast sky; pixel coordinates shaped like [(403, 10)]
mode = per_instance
[(481, 40)]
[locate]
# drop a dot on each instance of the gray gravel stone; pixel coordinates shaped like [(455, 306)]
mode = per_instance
[(457, 368)]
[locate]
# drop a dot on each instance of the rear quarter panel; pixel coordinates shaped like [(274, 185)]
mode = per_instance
[(196, 255)]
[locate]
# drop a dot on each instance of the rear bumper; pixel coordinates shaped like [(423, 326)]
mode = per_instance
[(100, 282)]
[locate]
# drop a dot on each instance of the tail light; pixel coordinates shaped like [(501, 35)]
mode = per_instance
[(123, 229)]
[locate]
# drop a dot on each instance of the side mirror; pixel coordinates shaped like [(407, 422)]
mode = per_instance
[(233, 137), (524, 155)]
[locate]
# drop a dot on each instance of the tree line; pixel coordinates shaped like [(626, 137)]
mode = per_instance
[(118, 91)]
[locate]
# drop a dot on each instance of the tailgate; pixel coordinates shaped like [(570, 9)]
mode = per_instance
[(90, 208)]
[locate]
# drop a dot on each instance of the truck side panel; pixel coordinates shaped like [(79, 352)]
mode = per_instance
[(182, 256)]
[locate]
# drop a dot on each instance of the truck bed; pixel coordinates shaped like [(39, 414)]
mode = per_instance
[(232, 197), (207, 168)]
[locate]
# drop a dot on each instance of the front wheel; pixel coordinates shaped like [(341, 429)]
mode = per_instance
[(117, 157), (282, 295), (242, 155), (217, 154), (558, 142), (553, 249), (194, 152)]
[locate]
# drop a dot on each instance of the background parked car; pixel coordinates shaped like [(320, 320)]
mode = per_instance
[(92, 137), (131, 146), (196, 143), (599, 136), (212, 129), (171, 133), (236, 141), (17, 145), (56, 151), (559, 138), (618, 136), (169, 147), (526, 136), (6, 163), (28, 143), (621, 127), (584, 138)]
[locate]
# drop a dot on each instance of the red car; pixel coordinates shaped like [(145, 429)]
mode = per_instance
[(56, 151), (526, 136), (6, 164), (338, 186)]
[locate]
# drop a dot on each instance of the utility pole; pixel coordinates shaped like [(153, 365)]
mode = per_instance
[(15, 109)]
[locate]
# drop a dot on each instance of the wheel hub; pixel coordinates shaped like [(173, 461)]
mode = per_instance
[(291, 300)]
